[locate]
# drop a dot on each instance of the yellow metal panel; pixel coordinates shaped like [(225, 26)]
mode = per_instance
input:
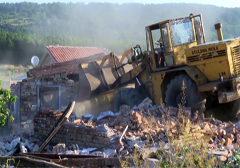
[(233, 50), (196, 75), (213, 70), (157, 80), (153, 85), (200, 50), (179, 53)]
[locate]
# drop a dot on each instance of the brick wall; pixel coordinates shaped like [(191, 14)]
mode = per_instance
[(28, 104), (71, 133), (68, 67)]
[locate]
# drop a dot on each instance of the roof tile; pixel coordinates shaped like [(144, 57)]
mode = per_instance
[(68, 53)]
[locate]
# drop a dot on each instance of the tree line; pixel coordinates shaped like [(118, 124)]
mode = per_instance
[(26, 28)]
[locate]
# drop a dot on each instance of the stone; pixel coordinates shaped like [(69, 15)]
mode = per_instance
[(10, 152), (15, 142), (222, 158), (131, 142), (238, 137), (218, 152), (174, 130), (59, 148), (230, 147), (109, 153), (230, 129), (146, 103), (137, 117), (222, 141), (8, 146), (151, 162), (149, 152), (124, 110), (206, 127), (35, 148), (78, 121), (30, 146), (22, 148), (216, 140), (2, 145), (2, 152), (230, 136), (228, 142)]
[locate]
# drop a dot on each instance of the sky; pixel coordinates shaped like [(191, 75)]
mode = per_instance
[(221, 3)]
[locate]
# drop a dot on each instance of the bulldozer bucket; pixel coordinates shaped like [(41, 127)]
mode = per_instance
[(91, 80), (95, 80), (97, 76)]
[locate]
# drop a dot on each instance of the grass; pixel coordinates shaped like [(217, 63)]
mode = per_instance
[(8, 163), (185, 148)]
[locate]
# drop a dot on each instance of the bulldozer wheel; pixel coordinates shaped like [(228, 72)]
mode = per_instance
[(126, 96), (174, 95)]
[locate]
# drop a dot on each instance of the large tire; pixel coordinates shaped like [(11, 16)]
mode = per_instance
[(126, 96), (194, 99)]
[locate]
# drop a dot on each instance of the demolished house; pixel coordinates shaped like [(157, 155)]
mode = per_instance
[(51, 82), (85, 139)]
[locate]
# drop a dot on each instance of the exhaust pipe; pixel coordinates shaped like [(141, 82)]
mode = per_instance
[(218, 27)]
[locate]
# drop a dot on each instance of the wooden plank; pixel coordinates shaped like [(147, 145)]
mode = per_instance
[(22, 161), (57, 126)]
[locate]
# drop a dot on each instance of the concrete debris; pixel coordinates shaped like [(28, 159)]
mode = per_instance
[(19, 142), (59, 148), (146, 104), (87, 118), (10, 153), (109, 153), (107, 114), (149, 126), (149, 129), (22, 148), (151, 162), (35, 148)]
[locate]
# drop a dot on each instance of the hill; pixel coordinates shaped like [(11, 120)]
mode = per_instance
[(26, 28)]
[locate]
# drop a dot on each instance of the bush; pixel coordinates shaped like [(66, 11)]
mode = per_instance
[(4, 111)]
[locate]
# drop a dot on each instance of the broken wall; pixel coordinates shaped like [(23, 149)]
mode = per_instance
[(34, 91), (71, 133)]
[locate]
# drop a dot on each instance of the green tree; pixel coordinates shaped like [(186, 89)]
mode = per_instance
[(4, 111)]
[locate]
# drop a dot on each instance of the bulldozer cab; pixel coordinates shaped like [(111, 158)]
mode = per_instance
[(167, 40)]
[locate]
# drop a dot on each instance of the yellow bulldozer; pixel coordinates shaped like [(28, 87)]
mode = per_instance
[(176, 52)]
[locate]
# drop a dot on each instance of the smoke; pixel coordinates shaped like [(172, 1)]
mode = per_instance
[(116, 27)]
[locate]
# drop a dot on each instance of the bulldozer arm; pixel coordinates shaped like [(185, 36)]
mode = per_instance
[(99, 81)]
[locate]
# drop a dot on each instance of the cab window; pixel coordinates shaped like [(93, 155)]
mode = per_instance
[(165, 37), (182, 31), (148, 41), (156, 36), (198, 30)]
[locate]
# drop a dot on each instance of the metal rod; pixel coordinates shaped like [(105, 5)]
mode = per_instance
[(138, 82), (59, 98), (18, 103), (38, 99)]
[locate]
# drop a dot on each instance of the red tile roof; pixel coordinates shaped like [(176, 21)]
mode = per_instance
[(68, 53)]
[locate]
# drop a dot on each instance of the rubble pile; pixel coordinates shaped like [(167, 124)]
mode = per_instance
[(20, 143), (152, 126), (149, 128)]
